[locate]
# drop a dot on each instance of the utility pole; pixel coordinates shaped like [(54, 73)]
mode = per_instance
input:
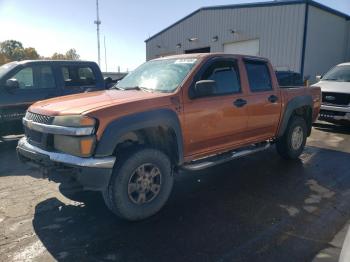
[(104, 41), (98, 22)]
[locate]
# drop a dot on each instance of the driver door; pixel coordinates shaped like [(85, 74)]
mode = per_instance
[(35, 82), (217, 122)]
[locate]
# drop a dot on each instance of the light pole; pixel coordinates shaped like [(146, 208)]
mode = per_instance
[(98, 22)]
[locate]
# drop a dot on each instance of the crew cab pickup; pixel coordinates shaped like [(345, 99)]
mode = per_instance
[(188, 111), (23, 83)]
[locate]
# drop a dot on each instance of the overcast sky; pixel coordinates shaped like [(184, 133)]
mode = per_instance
[(56, 26)]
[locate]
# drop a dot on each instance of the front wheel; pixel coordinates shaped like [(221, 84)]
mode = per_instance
[(140, 184), (292, 143)]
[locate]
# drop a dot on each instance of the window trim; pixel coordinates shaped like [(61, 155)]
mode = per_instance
[(258, 61), (205, 67)]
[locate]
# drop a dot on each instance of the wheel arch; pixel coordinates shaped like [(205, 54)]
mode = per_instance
[(301, 106), (159, 128)]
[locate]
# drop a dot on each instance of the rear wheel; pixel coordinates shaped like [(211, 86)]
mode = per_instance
[(292, 143), (140, 184)]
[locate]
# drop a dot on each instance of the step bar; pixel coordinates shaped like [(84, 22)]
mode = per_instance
[(225, 157)]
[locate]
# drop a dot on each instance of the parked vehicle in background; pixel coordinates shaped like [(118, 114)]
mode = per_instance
[(289, 78), (23, 83), (187, 111), (111, 78), (335, 87)]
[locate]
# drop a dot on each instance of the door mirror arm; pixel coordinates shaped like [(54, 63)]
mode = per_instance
[(11, 85), (203, 88)]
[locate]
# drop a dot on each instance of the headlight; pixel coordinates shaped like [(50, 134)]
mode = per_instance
[(78, 146), (74, 121)]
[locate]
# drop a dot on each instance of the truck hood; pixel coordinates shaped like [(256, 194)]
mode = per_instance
[(84, 102), (334, 86)]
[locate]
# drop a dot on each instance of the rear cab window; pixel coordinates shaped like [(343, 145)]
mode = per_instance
[(258, 76), (78, 76)]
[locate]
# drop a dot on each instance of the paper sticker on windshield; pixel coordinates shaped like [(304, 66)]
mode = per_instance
[(185, 61)]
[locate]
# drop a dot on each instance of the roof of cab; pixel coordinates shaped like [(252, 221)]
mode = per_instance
[(344, 64), (53, 61), (209, 55)]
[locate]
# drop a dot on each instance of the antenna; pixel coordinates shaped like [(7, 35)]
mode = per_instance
[(104, 41), (98, 22)]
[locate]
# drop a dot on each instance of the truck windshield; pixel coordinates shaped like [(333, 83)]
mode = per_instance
[(158, 75), (339, 73), (6, 68)]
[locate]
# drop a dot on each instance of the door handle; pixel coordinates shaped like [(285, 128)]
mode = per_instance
[(272, 98), (240, 102)]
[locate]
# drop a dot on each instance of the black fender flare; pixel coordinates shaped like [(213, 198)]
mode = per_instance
[(154, 118), (296, 102)]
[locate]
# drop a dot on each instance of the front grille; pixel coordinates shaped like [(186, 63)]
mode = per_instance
[(42, 119), (42, 140), (335, 98), (330, 114)]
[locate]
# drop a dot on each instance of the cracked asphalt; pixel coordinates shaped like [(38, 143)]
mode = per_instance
[(257, 208)]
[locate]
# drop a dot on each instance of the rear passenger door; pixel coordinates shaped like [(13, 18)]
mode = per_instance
[(264, 101), (78, 78)]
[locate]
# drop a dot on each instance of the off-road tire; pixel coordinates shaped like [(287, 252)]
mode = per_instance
[(284, 144), (116, 194)]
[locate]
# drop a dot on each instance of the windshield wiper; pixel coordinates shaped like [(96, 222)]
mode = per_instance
[(141, 88), (331, 79)]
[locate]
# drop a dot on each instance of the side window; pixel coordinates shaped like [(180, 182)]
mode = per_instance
[(65, 73), (25, 78), (75, 76), (226, 76), (258, 76), (46, 77), (86, 76)]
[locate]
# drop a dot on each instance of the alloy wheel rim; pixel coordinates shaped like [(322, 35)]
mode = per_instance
[(297, 137), (144, 184)]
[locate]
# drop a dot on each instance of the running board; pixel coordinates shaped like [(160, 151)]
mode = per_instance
[(225, 157)]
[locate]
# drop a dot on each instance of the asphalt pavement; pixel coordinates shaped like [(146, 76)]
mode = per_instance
[(257, 208)]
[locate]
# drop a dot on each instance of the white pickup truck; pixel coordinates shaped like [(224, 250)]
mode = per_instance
[(335, 87)]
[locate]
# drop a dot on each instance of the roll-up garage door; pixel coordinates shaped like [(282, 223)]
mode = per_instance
[(250, 47)]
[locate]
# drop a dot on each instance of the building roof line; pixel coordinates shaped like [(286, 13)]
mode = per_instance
[(256, 4)]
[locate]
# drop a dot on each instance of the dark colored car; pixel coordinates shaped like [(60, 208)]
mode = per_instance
[(23, 83), (289, 78)]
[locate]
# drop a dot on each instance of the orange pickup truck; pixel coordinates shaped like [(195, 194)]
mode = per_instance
[(187, 111)]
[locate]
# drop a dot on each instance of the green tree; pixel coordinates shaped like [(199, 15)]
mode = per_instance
[(11, 49), (3, 59), (72, 54), (58, 56), (31, 53)]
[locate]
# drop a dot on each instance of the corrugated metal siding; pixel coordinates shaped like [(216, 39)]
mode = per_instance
[(326, 42), (279, 28)]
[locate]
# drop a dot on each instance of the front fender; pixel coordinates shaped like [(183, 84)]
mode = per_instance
[(154, 118)]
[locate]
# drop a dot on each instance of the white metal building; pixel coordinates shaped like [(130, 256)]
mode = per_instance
[(298, 35)]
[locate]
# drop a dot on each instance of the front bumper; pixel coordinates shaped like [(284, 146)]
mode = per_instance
[(37, 154), (91, 173), (334, 113)]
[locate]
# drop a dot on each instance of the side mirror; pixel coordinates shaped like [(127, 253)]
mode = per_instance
[(204, 88), (12, 84), (318, 78)]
